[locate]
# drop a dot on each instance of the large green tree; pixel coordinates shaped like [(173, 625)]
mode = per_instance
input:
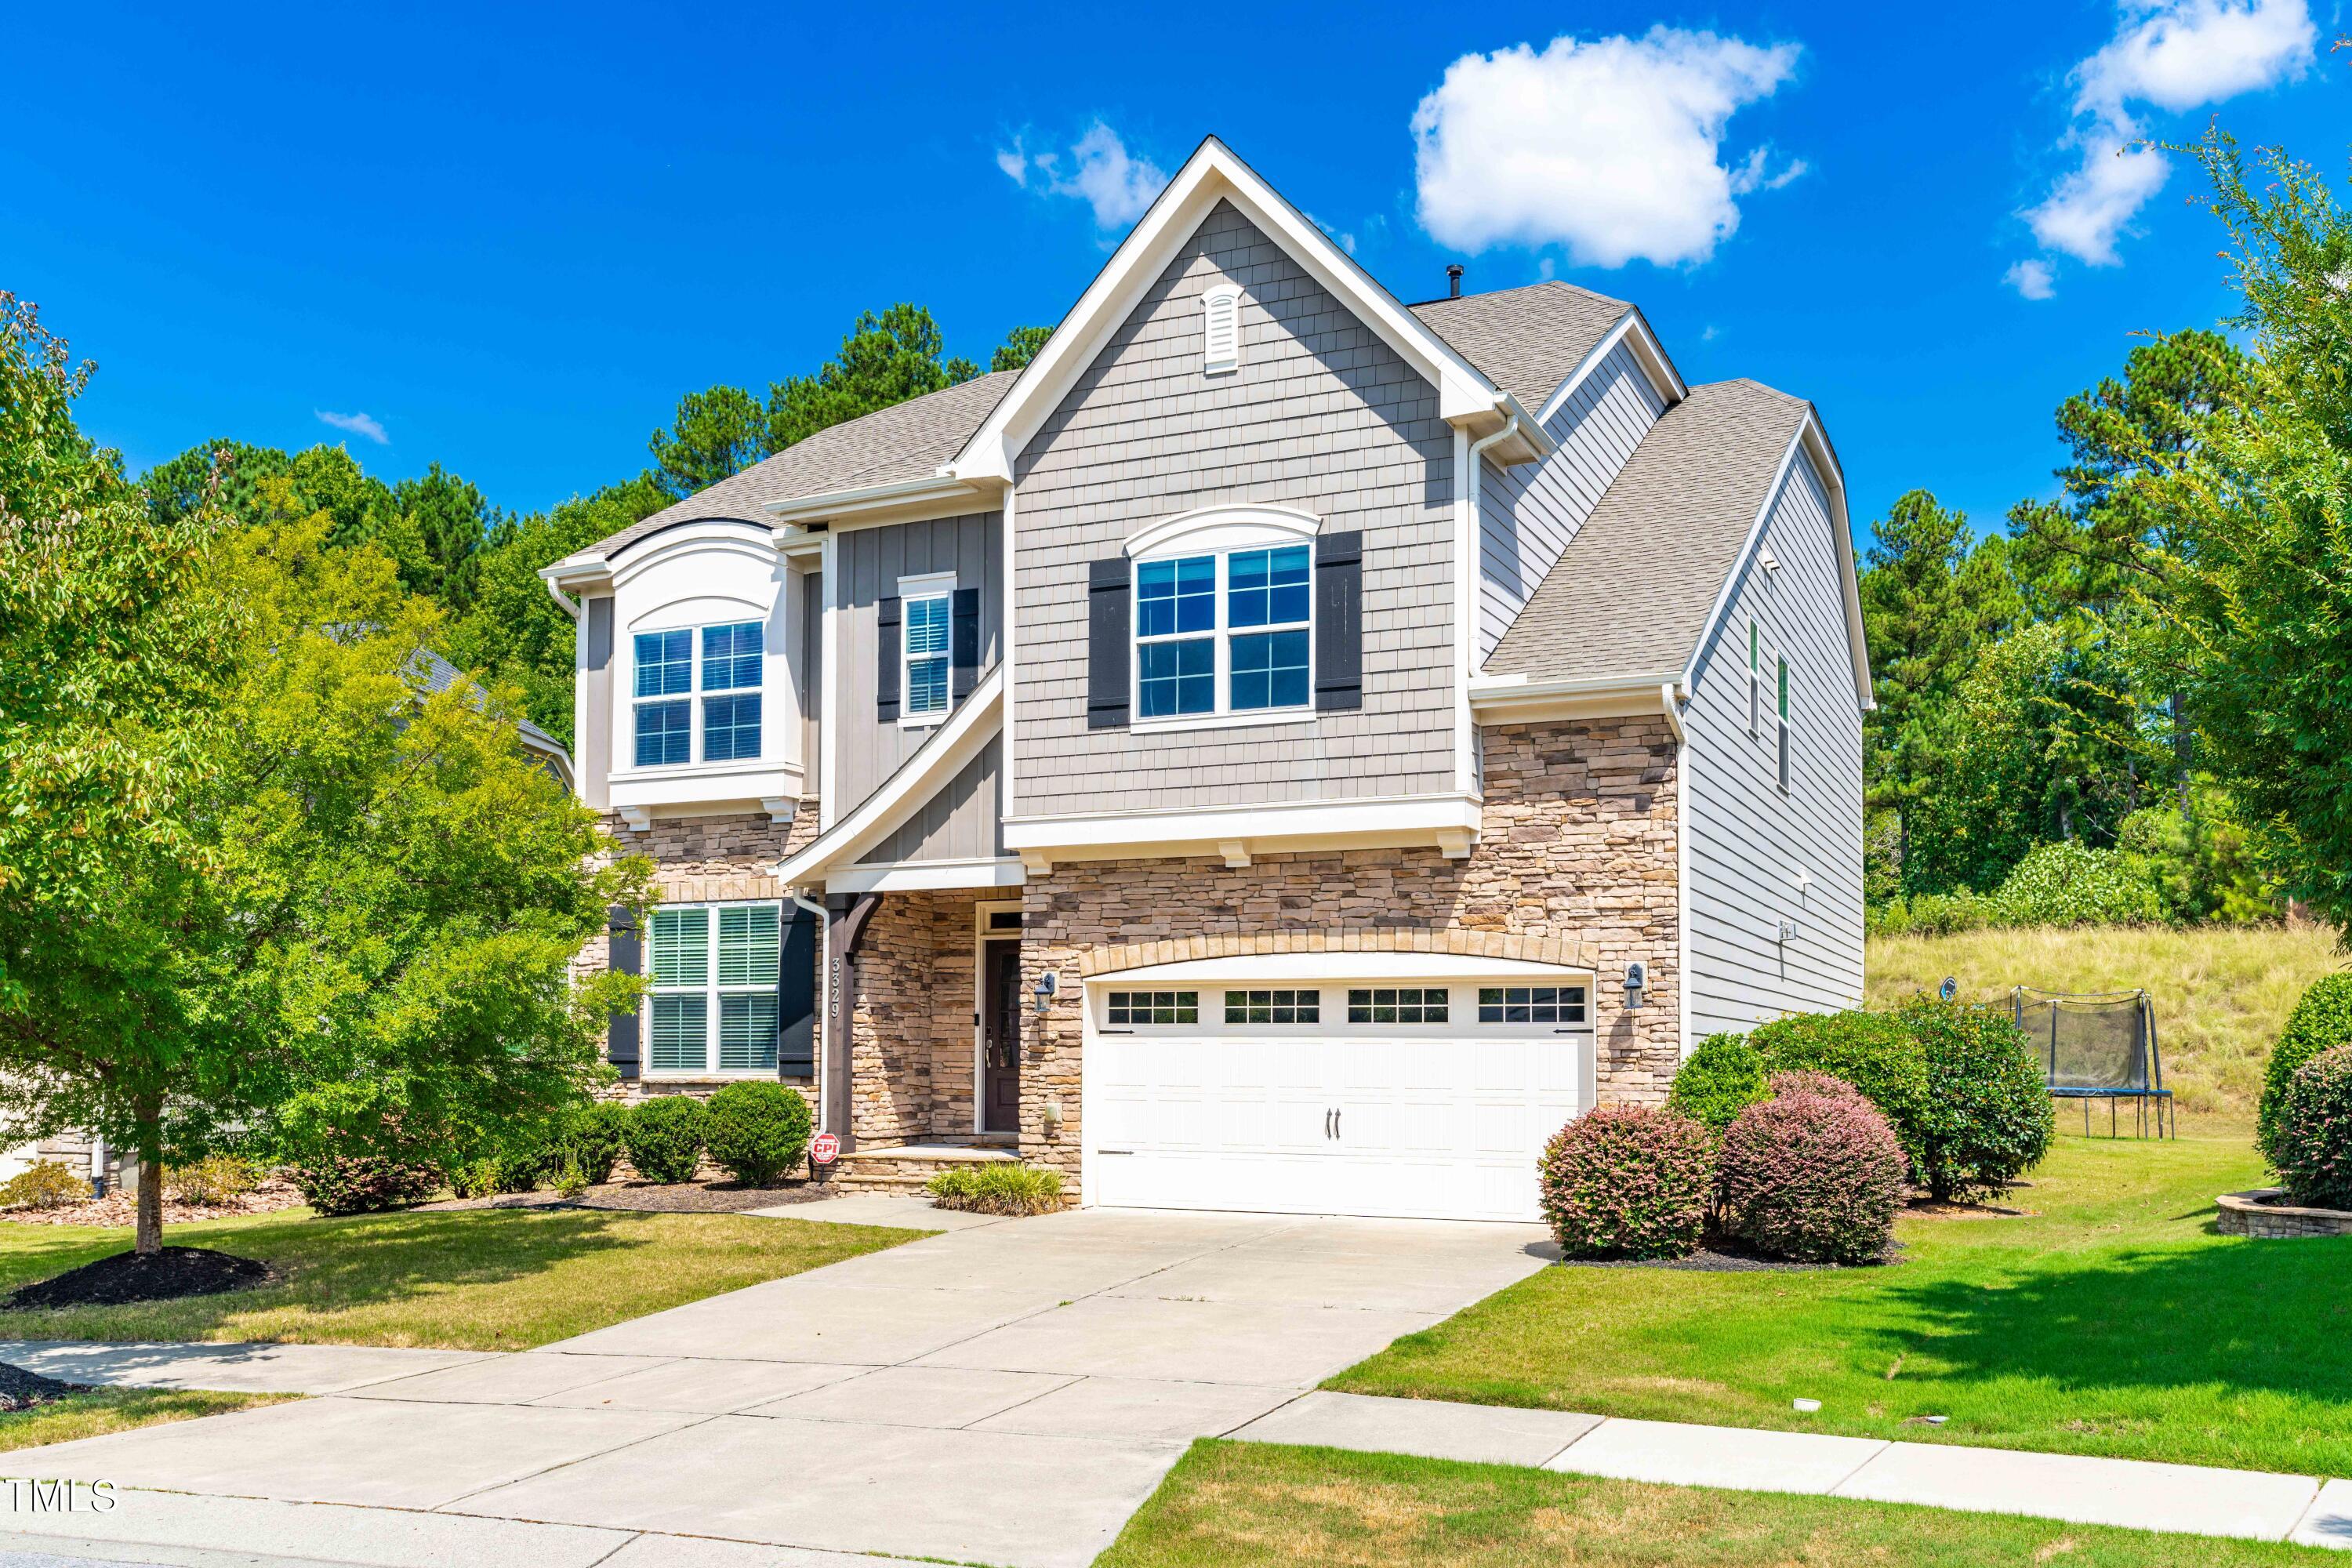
[(2260, 587)]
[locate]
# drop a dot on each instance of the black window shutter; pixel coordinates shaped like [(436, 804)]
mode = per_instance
[(796, 993), (1108, 619), (964, 644), (887, 650), (1339, 621), (623, 957)]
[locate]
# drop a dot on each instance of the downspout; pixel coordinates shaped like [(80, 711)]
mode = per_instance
[(1465, 541), (569, 606), (823, 968)]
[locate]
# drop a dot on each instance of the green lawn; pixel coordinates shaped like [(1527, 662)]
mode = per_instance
[(491, 1279), (104, 1410), (2113, 1322), (1236, 1503)]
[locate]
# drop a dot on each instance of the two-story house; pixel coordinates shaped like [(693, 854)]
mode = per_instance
[(1284, 749)]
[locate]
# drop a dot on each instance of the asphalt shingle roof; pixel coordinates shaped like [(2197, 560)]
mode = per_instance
[(904, 441), (437, 675), (1630, 594), (1525, 340)]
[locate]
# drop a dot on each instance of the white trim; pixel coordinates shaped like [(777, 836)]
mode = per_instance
[(1683, 798), (1213, 173), (903, 875), (1339, 966), (1251, 523), (835, 505), (981, 937), (1245, 718), (1393, 821), (715, 537), (1648, 353), (943, 754), (1468, 484), (828, 732), (1220, 634), (1005, 642), (711, 990), (750, 770)]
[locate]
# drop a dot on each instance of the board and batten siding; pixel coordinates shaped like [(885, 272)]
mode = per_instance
[(1321, 416), (1749, 841), (1528, 514), (868, 564), (964, 821)]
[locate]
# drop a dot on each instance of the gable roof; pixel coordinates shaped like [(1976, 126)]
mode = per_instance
[(1632, 593), (905, 441), (1526, 341), (436, 675)]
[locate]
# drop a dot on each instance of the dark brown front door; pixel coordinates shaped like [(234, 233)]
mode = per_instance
[(1000, 1076)]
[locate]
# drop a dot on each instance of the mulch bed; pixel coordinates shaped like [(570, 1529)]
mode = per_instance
[(121, 1207), (1724, 1257), (22, 1390), (652, 1197), (125, 1276)]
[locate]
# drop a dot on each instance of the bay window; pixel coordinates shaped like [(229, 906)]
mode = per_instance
[(732, 660)]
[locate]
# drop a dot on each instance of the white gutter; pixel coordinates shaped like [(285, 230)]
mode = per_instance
[(569, 605), (870, 498), (1671, 708), (1466, 487)]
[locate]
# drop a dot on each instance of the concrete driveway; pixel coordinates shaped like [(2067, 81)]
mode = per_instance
[(1007, 1392)]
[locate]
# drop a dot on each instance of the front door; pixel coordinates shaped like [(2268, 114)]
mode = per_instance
[(999, 1074)]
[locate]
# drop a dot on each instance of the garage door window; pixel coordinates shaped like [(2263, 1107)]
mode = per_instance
[(1274, 1006), (1531, 1003), (1155, 1006), (1397, 1004)]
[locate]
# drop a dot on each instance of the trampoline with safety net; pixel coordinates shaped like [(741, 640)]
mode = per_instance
[(2100, 1047)]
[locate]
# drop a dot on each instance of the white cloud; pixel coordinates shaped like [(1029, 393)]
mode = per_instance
[(1102, 172), (2170, 55), (1345, 241), (366, 425), (2032, 280), (1612, 147)]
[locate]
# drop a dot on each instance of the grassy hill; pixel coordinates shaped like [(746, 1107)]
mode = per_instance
[(2221, 995)]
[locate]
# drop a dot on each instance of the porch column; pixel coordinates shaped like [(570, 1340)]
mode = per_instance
[(846, 918)]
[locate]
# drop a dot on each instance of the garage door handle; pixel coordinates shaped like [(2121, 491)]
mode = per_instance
[(1335, 1124), (1327, 1114)]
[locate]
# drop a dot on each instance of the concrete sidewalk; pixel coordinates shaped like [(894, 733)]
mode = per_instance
[(236, 1368), (2134, 1494)]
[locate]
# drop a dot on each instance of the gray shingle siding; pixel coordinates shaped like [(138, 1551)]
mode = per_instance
[(1528, 514), (1749, 840), (1323, 416), (868, 562)]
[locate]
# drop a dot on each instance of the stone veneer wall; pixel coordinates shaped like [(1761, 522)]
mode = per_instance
[(1578, 846), (699, 859), (911, 1019)]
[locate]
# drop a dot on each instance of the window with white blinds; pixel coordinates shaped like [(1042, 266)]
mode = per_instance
[(714, 1005)]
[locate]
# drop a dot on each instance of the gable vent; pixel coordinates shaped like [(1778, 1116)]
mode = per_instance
[(1221, 310)]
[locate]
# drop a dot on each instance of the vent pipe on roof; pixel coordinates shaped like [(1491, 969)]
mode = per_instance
[(1454, 280)]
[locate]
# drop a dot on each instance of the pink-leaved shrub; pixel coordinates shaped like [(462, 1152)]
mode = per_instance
[(1788, 1084), (1628, 1181), (1812, 1176)]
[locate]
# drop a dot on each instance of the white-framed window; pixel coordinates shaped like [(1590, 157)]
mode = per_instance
[(1398, 1004), (712, 1006), (1277, 1005), (926, 636), (1221, 323), (1228, 631), (1784, 726), (1754, 676), (717, 668), (1129, 1007), (1531, 1005)]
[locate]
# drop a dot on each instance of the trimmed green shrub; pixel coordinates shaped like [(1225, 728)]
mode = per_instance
[(363, 1184), (1810, 1176), (44, 1184), (2070, 884), (1989, 1119), (758, 1130), (2322, 1020), (523, 1168), (2315, 1131), (1724, 1077), (1002, 1186), (212, 1181), (1628, 1181), (593, 1138), (666, 1136), (1875, 1052)]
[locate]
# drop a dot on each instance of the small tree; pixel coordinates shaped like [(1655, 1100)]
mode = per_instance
[(357, 936)]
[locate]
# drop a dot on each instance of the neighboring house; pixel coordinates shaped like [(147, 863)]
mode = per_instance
[(1248, 758)]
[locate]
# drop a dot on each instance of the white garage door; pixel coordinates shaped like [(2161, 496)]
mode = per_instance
[(1408, 1096)]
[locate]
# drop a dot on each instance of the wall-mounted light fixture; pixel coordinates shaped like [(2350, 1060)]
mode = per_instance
[(1045, 992), (1636, 978)]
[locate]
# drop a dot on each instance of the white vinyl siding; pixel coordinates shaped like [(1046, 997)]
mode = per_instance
[(1759, 854)]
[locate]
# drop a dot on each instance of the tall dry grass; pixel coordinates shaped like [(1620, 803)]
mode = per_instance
[(2220, 994)]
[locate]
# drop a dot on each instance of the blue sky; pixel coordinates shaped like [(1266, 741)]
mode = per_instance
[(511, 239)]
